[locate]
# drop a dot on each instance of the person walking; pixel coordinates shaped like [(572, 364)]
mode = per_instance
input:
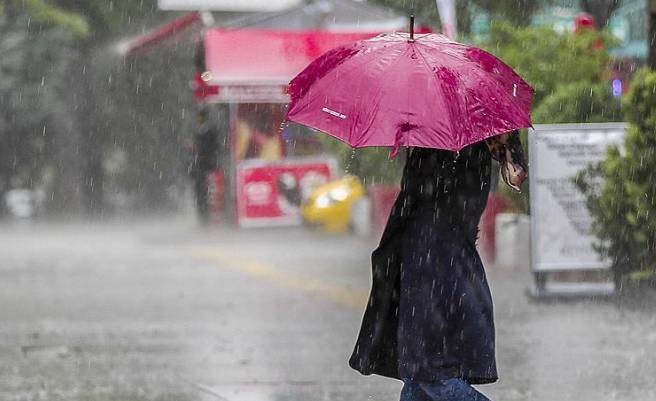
[(429, 320), (206, 158)]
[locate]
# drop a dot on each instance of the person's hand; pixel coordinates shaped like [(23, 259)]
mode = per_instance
[(507, 150), (513, 174)]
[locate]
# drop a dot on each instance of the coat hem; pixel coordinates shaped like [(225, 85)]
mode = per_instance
[(471, 378)]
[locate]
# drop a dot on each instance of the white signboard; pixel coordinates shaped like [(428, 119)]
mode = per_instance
[(227, 5), (560, 221)]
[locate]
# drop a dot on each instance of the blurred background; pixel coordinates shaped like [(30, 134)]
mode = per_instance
[(166, 235)]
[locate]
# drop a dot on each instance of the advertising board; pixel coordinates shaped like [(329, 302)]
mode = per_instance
[(270, 193), (560, 221)]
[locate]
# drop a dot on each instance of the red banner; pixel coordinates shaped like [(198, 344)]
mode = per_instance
[(269, 194)]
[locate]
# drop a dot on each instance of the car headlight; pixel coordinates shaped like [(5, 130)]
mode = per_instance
[(324, 200), (335, 195), (339, 194)]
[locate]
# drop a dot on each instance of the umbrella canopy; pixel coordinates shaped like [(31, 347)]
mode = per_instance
[(395, 90)]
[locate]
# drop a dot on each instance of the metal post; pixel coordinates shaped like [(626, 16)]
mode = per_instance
[(412, 25), (231, 167)]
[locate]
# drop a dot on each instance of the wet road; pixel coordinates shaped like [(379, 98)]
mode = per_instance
[(164, 311)]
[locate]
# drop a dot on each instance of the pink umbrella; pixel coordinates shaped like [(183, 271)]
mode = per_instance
[(400, 90)]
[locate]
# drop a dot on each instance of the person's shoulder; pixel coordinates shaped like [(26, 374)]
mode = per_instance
[(429, 161)]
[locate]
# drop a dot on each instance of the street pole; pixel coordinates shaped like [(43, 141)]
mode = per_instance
[(652, 34)]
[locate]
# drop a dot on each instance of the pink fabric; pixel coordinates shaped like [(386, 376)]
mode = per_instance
[(390, 91)]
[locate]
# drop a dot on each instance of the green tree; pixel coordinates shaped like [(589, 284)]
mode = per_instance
[(91, 69), (46, 15), (547, 59), (35, 39), (88, 124), (517, 12), (580, 102), (621, 191)]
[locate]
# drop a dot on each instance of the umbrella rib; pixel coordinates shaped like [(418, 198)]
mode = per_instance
[(359, 66), (346, 72), (383, 73), (437, 82), (515, 107)]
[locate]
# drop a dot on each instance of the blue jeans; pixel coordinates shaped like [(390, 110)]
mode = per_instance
[(440, 390)]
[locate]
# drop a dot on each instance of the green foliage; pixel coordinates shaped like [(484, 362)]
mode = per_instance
[(621, 191), (32, 65), (547, 59), (101, 116), (582, 102), (45, 13), (72, 111), (109, 18), (517, 12), (48, 15)]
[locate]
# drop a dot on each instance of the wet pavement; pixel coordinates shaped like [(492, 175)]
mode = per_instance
[(165, 311)]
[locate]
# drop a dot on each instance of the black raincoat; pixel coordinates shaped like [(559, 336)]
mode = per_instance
[(429, 315)]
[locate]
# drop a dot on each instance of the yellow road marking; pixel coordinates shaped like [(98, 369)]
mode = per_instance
[(343, 296)]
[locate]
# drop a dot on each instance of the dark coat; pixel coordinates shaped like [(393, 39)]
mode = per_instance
[(429, 315)]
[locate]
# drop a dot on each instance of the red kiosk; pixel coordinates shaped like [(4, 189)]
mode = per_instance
[(243, 73), (272, 167)]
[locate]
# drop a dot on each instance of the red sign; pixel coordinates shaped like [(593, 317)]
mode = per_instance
[(269, 194)]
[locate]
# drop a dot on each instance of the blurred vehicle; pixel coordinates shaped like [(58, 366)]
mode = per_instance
[(330, 205)]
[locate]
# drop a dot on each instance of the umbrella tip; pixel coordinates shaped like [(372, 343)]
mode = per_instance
[(412, 27)]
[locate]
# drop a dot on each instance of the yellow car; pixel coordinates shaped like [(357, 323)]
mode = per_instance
[(330, 204)]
